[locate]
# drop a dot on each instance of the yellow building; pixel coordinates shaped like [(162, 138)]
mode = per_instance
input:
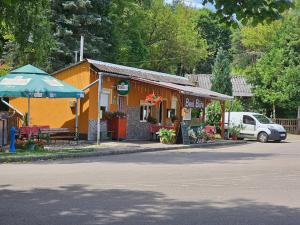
[(177, 93)]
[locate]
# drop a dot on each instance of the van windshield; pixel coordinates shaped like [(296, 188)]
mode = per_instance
[(262, 119)]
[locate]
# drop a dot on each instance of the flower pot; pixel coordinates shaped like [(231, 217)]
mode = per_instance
[(234, 137), (118, 126), (31, 147)]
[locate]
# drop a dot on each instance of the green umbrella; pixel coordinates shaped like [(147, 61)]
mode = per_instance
[(31, 82)]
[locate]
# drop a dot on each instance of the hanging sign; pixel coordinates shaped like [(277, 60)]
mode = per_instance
[(123, 87), (193, 102)]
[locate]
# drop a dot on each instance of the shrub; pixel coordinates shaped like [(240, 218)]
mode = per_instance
[(167, 136)]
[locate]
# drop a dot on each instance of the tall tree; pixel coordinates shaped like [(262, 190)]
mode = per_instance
[(275, 76), (156, 36), (71, 19), (217, 35), (25, 32), (221, 81)]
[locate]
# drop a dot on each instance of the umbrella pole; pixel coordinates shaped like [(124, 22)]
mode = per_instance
[(76, 121), (28, 112)]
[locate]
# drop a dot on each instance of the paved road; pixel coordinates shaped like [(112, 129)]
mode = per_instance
[(253, 184)]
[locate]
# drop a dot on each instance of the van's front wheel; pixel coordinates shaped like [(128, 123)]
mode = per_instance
[(263, 137)]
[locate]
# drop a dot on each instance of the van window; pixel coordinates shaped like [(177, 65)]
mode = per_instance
[(262, 119), (248, 120)]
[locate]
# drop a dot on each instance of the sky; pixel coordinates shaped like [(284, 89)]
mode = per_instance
[(194, 3)]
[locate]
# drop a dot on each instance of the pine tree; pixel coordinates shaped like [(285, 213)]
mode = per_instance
[(221, 81), (71, 19)]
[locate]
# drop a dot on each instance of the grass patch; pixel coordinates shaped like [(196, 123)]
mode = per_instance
[(32, 153)]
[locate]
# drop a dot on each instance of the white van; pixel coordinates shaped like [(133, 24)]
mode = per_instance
[(256, 126)]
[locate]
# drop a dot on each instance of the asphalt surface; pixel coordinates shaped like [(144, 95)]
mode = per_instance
[(252, 184)]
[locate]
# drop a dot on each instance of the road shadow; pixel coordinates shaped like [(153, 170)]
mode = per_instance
[(80, 205), (171, 157)]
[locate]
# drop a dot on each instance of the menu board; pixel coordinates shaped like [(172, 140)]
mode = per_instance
[(183, 134)]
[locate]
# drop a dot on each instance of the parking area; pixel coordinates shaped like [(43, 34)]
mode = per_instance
[(251, 184)]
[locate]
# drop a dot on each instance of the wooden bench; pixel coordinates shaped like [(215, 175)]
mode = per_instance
[(56, 134)]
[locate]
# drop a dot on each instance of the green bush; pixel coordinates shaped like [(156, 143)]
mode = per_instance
[(167, 136), (214, 114)]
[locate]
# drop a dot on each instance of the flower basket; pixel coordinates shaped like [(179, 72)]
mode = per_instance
[(153, 99)]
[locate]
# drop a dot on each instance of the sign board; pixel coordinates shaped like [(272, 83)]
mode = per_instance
[(183, 134), (193, 102), (123, 87)]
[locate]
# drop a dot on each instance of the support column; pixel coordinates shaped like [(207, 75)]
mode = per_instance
[(28, 112), (76, 121), (222, 118), (99, 107)]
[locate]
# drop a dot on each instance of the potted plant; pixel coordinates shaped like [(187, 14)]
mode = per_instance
[(117, 124), (166, 136), (151, 120), (234, 131), (30, 144)]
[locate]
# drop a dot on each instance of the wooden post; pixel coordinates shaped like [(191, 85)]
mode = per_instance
[(204, 107), (222, 119)]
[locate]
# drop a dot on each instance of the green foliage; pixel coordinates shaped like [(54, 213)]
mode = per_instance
[(71, 19), (235, 106), (156, 36), (221, 81), (110, 115), (255, 10), (275, 77), (217, 35), (213, 114), (167, 136), (235, 130), (25, 32)]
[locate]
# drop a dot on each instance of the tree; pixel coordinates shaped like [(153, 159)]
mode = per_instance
[(275, 77), (156, 36), (221, 81), (254, 10), (217, 35), (71, 19), (25, 32)]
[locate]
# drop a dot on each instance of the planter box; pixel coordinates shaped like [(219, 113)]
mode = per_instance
[(118, 126)]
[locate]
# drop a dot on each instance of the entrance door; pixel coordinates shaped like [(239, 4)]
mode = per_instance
[(161, 114), (249, 127), (122, 103)]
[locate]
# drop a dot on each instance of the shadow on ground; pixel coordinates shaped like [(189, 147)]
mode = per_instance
[(82, 206), (172, 157)]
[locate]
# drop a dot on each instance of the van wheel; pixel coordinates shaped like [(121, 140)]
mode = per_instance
[(263, 137)]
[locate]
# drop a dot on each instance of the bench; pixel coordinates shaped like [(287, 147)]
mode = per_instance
[(57, 134)]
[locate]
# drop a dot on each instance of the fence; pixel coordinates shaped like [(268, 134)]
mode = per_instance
[(291, 125)]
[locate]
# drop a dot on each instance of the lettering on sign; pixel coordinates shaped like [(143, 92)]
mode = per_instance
[(122, 87), (19, 80), (193, 103)]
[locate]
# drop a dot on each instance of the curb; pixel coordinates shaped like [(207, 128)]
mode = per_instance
[(108, 151)]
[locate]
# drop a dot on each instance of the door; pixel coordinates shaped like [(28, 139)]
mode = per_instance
[(249, 127), (122, 104)]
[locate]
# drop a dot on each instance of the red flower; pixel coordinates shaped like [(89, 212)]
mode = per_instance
[(153, 99)]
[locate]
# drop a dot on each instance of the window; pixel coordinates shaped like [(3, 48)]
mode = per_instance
[(104, 101), (248, 120), (174, 103), (145, 111)]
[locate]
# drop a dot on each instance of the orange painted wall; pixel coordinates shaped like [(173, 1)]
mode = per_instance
[(57, 112), (138, 92)]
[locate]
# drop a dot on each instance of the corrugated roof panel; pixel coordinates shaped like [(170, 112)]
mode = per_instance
[(141, 73)]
